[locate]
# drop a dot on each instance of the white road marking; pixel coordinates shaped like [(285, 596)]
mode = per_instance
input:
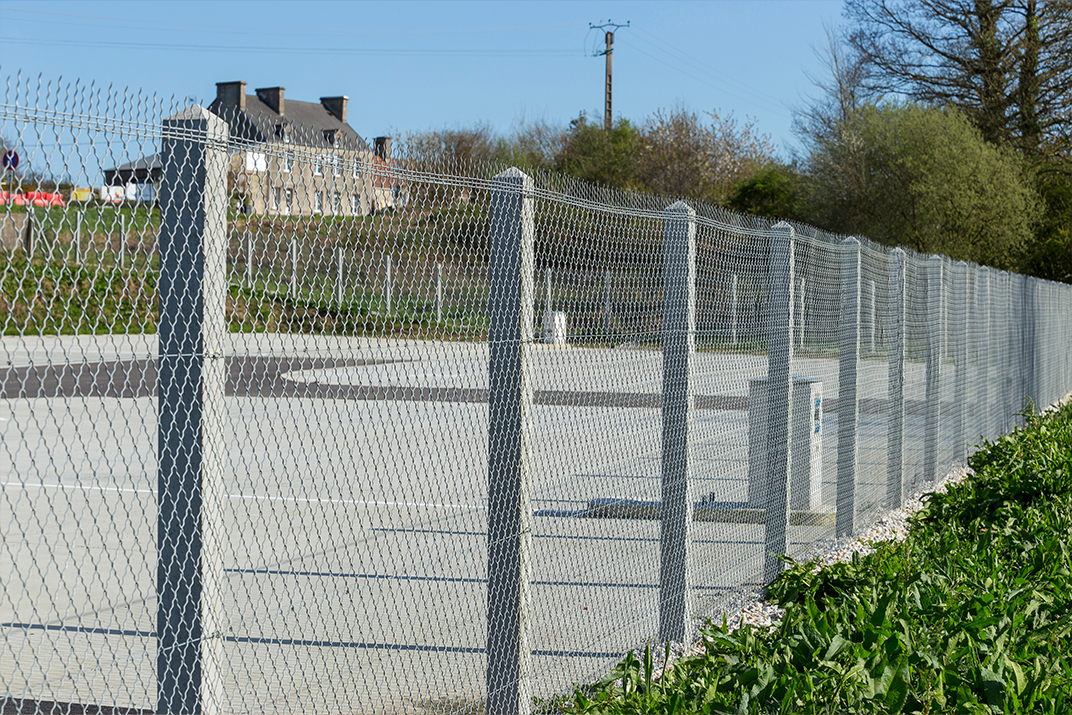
[(255, 497)]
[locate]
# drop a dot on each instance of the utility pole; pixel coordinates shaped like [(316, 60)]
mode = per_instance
[(608, 122)]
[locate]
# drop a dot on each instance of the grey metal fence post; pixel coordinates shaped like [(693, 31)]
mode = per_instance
[(848, 408), (982, 333), (1005, 322), (1029, 322), (895, 372), (193, 285), (679, 345), (509, 408), (779, 398), (958, 330), (933, 408), (993, 364), (439, 293)]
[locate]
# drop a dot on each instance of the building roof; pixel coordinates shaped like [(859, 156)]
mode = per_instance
[(140, 170), (307, 122)]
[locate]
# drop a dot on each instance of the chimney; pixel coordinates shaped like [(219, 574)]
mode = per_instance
[(273, 97), (231, 94), (336, 106), (383, 148)]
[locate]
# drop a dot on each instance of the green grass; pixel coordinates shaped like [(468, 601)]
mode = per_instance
[(971, 614)]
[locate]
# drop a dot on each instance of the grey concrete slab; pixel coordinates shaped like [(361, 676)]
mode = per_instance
[(355, 536)]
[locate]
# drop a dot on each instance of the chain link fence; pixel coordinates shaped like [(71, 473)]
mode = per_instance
[(298, 424)]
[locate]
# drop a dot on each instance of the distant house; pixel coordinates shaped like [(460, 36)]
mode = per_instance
[(302, 158), (290, 157)]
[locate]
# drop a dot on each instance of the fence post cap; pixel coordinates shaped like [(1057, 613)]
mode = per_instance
[(681, 207), (513, 174)]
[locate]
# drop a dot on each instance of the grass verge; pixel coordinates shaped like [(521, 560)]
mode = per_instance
[(970, 614)]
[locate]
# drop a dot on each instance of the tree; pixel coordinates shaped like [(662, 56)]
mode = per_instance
[(594, 154), (533, 145), (452, 147), (914, 175), (777, 191), (841, 92), (1006, 63), (681, 156)]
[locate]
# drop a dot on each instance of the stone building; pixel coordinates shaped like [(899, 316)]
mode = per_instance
[(301, 158)]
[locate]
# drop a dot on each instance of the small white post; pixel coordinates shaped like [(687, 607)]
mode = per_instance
[(934, 367), (122, 240), (340, 283), (895, 379), (294, 268), (249, 257), (388, 288), (439, 293), (547, 289), (848, 409), (679, 346), (79, 217)]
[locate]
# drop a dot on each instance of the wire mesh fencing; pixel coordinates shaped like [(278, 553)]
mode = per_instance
[(293, 423)]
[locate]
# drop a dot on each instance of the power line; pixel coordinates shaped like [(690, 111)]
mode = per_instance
[(294, 50), (290, 31), (779, 110), (726, 82)]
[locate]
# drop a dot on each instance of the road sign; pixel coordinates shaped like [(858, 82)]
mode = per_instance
[(11, 160)]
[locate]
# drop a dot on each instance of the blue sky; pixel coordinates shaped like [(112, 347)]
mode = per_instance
[(409, 65)]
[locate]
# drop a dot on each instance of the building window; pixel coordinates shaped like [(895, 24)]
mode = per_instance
[(318, 202), (277, 193), (288, 161), (336, 204), (318, 164), (355, 168), (289, 208), (256, 161), (336, 166), (355, 204)]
